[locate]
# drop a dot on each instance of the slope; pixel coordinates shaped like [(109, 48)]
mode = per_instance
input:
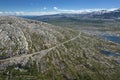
[(33, 50)]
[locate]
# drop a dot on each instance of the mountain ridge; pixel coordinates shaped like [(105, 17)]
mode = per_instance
[(100, 14)]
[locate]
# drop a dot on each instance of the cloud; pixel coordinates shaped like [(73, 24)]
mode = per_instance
[(112, 9), (44, 8), (26, 13), (57, 11), (39, 13), (11, 13), (81, 11), (61, 10), (74, 11), (55, 8)]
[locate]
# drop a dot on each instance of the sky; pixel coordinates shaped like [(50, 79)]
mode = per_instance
[(36, 7)]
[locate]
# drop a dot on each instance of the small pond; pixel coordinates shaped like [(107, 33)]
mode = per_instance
[(115, 39), (108, 53)]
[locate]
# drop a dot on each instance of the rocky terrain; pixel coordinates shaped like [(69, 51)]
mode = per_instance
[(34, 50)]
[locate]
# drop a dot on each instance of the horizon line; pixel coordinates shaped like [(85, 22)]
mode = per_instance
[(57, 11)]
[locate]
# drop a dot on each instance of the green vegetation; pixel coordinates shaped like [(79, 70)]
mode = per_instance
[(77, 59), (59, 53)]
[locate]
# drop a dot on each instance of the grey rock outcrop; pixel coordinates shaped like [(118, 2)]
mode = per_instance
[(21, 36)]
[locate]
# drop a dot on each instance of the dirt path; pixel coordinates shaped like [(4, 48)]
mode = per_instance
[(41, 53)]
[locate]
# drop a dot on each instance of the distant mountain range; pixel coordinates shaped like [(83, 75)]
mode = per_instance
[(99, 18), (101, 14), (108, 15)]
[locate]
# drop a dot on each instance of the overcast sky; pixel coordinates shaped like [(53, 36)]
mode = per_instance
[(54, 6)]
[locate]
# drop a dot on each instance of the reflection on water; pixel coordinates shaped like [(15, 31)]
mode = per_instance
[(104, 35), (112, 38), (108, 53)]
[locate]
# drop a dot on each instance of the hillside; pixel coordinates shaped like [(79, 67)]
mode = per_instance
[(34, 50)]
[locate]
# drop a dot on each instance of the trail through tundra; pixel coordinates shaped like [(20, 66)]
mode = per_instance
[(41, 53)]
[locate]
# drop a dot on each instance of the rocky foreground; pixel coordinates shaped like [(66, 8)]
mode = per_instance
[(33, 50)]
